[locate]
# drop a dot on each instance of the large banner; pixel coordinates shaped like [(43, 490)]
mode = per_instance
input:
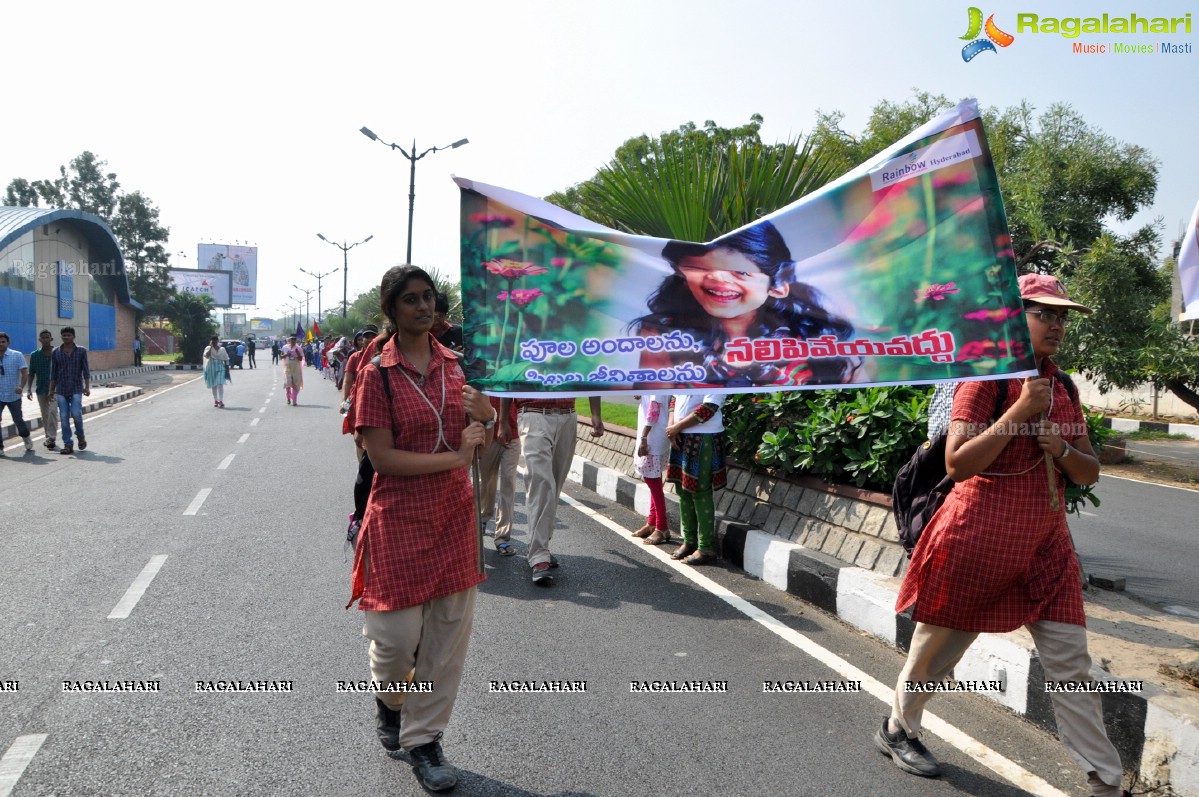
[(261, 325), (1188, 269), (218, 285), (240, 261), (900, 272)]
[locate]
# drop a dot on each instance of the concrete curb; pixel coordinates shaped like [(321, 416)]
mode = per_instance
[(1128, 425), (9, 430), (1152, 737)]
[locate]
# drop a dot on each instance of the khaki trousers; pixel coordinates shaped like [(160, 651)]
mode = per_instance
[(421, 643), (49, 408), (549, 447), (498, 464), (1062, 647)]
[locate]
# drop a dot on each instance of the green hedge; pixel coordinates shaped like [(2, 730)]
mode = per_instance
[(859, 437)]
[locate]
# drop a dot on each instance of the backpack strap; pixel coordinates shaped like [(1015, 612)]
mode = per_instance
[(376, 361)]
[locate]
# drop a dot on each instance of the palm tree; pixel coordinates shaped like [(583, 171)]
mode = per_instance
[(190, 317)]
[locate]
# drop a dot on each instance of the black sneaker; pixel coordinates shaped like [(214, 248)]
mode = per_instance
[(542, 575), (910, 755), (49, 443), (387, 726), (431, 768), (82, 444)]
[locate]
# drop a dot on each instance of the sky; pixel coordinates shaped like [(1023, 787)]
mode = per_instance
[(240, 121)]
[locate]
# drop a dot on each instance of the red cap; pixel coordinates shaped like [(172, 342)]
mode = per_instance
[(1046, 289)]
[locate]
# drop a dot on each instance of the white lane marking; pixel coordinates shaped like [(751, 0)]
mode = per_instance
[(255, 421), (262, 410), (268, 401), (197, 502), (244, 437), (1087, 514), (1155, 484), (226, 462), (1004, 767), (167, 390), (138, 588), (18, 756)]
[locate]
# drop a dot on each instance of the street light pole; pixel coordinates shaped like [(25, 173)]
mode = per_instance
[(345, 268), (412, 159), (319, 277), (307, 303)]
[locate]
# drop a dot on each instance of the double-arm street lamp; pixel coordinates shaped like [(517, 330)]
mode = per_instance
[(345, 268), (412, 159), (319, 277)]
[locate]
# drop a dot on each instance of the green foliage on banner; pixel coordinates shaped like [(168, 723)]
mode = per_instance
[(190, 317), (860, 436), (523, 280), (134, 220)]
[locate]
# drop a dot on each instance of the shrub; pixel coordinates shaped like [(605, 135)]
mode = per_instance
[(861, 437)]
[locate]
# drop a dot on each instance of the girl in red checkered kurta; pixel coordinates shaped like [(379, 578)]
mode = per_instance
[(415, 565), (997, 556)]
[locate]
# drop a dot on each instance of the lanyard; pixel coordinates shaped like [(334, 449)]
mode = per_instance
[(437, 413)]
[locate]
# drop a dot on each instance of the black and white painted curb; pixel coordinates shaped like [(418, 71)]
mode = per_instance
[(1153, 732), (1128, 425)]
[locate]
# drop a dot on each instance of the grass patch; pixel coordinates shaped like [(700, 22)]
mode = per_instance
[(619, 414), (1154, 434), (159, 358)]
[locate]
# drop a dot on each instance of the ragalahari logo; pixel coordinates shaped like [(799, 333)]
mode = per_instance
[(994, 35)]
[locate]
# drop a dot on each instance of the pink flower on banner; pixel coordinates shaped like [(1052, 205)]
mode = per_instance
[(989, 349), (522, 297), (992, 316), (492, 219), (514, 269), (558, 262), (936, 292), (502, 296)]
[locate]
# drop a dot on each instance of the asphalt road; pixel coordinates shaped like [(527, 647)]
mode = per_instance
[(1145, 533), (253, 586)]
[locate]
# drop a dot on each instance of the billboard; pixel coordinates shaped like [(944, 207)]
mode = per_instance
[(215, 284), (240, 261), (262, 325), (234, 325)]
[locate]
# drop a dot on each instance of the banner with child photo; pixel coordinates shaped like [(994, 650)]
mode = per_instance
[(900, 272)]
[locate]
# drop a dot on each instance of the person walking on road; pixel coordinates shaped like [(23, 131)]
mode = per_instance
[(697, 469), (137, 351), (497, 472), (241, 353), (275, 352), (39, 371), (216, 370), (415, 564), (364, 342), (14, 374), (70, 381), (292, 355), (547, 438), (997, 555), (251, 347)]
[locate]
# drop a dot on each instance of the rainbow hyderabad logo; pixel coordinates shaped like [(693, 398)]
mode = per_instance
[(994, 35)]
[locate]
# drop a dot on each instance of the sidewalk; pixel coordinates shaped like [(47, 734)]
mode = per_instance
[(1155, 728)]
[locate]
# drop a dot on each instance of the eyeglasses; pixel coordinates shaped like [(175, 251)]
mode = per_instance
[(1050, 317)]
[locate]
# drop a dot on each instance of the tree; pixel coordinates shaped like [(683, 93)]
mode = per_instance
[(85, 185), (696, 184), (190, 317)]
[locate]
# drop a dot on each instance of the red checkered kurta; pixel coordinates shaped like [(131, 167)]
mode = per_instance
[(995, 557), (419, 531)]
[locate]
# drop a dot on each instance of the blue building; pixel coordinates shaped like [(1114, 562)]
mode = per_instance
[(61, 268)]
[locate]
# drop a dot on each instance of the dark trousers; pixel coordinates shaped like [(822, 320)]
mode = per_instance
[(18, 418), (251, 353)]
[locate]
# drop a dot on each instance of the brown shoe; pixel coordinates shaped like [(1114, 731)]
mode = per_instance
[(659, 537)]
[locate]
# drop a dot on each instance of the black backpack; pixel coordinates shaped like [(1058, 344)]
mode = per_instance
[(922, 483), (365, 479)]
